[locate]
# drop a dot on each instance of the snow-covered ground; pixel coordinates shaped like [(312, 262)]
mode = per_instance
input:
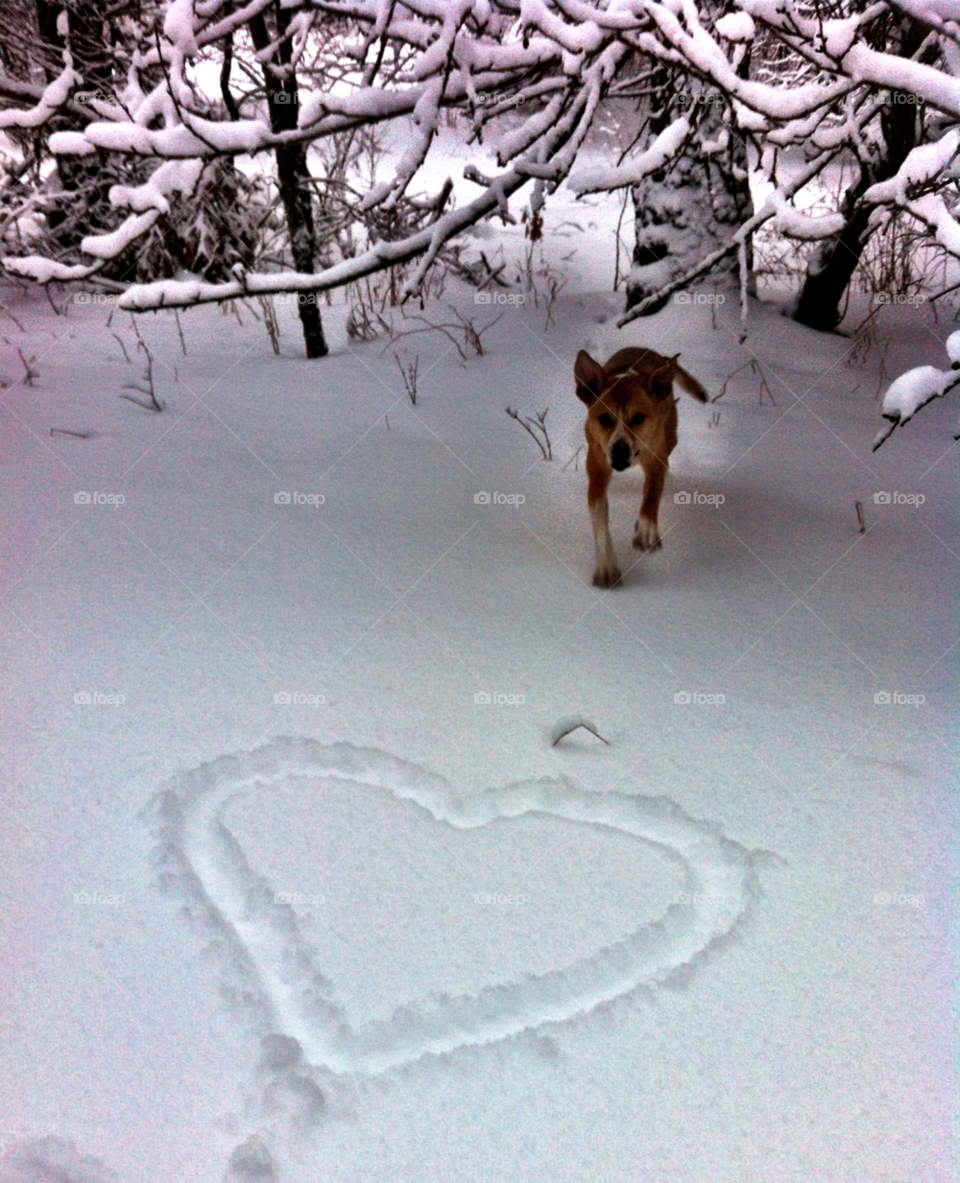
[(411, 940)]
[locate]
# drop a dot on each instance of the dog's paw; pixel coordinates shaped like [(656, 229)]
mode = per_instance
[(606, 576), (647, 537)]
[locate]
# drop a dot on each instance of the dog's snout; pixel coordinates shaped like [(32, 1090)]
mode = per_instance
[(620, 455)]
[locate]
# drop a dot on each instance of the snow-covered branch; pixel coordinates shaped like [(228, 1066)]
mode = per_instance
[(916, 388)]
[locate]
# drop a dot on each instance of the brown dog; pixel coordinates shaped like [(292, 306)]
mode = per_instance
[(632, 420)]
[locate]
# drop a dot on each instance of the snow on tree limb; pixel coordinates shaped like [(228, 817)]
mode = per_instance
[(664, 148), (45, 270), (793, 224), (916, 388), (922, 167), (184, 294), (52, 99)]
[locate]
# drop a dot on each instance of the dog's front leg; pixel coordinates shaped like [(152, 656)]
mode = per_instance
[(607, 573), (647, 535)]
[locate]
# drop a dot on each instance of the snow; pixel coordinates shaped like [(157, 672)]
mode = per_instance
[(718, 874), (930, 208), (319, 897), (664, 148), (71, 143), (921, 166), (55, 94), (178, 26), (173, 176), (914, 389), (736, 26), (43, 270), (794, 224), (108, 246)]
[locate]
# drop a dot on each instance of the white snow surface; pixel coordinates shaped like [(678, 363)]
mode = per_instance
[(295, 886)]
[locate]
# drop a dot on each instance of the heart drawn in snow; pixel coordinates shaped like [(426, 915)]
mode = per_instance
[(203, 863)]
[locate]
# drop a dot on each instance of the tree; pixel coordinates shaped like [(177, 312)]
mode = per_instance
[(274, 50), (781, 75), (834, 262), (687, 209)]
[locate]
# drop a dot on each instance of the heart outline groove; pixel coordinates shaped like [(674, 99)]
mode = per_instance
[(199, 861)]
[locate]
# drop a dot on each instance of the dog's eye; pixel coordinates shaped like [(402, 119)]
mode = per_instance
[(637, 420), (605, 420)]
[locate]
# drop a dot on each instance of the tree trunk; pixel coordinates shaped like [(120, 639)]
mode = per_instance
[(91, 59), (292, 174), (689, 209), (830, 270)]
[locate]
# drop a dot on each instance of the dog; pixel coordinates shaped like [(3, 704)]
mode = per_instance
[(632, 419)]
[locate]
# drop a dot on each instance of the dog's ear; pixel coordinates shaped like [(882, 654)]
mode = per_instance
[(590, 377), (661, 381)]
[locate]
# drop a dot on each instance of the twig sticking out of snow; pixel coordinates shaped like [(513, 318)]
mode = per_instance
[(5, 311), (747, 365), (863, 524), (145, 385), (536, 428), (570, 723), (408, 372), (183, 344), (270, 321), (29, 364), (123, 347)]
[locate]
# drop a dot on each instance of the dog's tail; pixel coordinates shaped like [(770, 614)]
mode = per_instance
[(688, 383)]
